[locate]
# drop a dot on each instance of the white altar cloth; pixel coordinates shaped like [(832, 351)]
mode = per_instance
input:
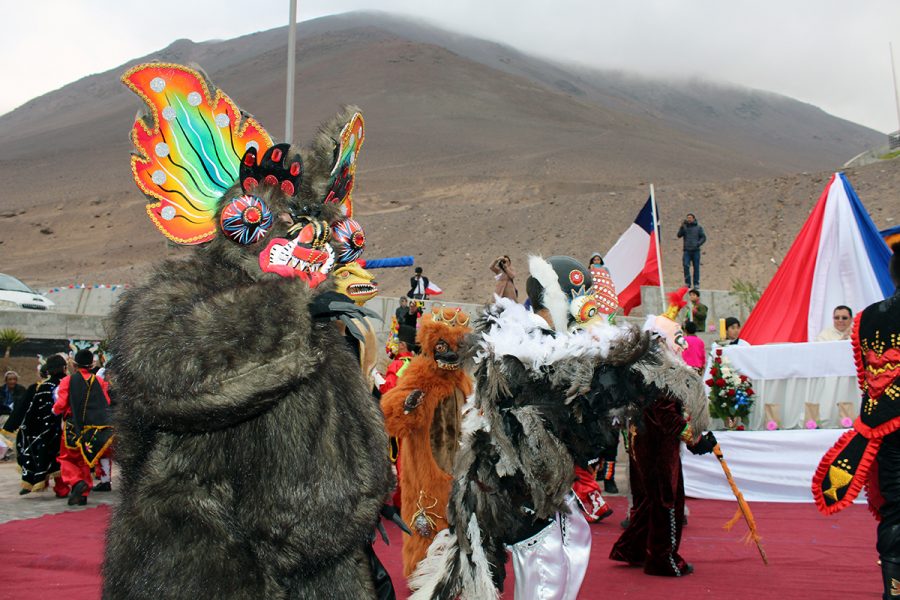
[(768, 466)]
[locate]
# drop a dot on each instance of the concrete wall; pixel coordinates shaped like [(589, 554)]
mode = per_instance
[(53, 325), (85, 301)]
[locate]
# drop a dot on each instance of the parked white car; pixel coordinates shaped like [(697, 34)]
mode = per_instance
[(15, 295)]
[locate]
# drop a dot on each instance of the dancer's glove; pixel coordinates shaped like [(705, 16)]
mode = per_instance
[(704, 445)]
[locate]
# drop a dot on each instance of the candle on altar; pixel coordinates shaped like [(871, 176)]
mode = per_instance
[(721, 329)]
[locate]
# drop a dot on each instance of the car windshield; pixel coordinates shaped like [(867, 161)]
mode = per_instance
[(11, 284)]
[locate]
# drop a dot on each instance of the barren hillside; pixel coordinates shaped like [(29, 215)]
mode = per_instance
[(472, 149)]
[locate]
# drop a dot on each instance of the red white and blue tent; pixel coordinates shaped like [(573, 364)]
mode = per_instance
[(632, 259), (839, 257)]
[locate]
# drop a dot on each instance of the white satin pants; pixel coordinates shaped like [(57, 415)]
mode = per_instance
[(551, 564)]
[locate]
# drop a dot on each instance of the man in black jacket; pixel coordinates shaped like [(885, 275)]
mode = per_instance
[(694, 237), (418, 286)]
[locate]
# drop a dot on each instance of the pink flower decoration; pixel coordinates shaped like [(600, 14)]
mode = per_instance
[(846, 422), (812, 424), (771, 425)]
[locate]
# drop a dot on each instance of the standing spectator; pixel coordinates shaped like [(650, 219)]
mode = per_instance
[(694, 237), (695, 353), (12, 394), (699, 311), (401, 311), (842, 319), (418, 286), (413, 312), (506, 278)]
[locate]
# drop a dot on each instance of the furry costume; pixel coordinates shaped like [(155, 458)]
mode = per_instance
[(429, 431), (543, 400), (242, 474)]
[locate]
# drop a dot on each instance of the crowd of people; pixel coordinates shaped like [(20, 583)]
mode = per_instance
[(62, 426)]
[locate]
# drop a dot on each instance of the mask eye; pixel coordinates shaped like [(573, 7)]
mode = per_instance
[(441, 347), (246, 219), (583, 309)]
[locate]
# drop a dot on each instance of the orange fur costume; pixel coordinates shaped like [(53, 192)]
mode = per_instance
[(424, 412)]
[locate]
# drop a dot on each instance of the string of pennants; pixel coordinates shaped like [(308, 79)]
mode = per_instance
[(96, 286)]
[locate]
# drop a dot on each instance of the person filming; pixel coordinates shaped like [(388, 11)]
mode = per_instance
[(506, 278)]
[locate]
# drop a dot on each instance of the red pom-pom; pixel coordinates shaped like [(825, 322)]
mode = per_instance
[(249, 184), (270, 180), (287, 187)]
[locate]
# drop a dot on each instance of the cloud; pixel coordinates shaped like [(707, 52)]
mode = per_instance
[(828, 53)]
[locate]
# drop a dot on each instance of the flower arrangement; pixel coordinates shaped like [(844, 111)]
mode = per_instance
[(730, 392)]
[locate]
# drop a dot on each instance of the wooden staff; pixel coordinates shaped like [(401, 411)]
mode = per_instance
[(743, 507)]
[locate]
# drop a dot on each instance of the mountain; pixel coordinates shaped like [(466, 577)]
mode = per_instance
[(472, 149)]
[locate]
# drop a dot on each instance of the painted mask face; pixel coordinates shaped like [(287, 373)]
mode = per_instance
[(307, 256), (355, 282), (445, 356)]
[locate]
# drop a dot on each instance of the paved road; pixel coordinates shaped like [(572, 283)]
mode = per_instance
[(13, 506)]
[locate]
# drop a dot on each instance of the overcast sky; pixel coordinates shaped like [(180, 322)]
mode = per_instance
[(830, 53)]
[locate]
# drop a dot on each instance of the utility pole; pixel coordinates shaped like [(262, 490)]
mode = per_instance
[(894, 138), (291, 68)]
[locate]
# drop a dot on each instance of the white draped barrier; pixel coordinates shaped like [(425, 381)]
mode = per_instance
[(768, 466), (792, 375)]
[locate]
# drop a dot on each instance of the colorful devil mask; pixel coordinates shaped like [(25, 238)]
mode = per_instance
[(211, 168)]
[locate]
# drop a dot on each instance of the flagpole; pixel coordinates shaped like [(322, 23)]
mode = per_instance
[(291, 58), (662, 285)]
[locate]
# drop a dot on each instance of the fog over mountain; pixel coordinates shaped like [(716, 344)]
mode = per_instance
[(472, 149)]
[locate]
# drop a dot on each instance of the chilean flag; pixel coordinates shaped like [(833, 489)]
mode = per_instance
[(632, 260), (839, 257)]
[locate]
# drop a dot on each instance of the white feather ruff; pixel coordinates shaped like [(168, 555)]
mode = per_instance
[(515, 333)]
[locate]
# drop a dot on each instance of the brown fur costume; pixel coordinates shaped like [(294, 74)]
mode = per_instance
[(429, 433), (251, 452)]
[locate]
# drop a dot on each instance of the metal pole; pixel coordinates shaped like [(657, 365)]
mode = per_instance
[(662, 285), (894, 79), (291, 60)]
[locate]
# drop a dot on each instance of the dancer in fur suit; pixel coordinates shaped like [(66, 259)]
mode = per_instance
[(545, 395), (251, 453), (424, 411)]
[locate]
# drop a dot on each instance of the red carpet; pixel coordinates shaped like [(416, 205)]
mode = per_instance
[(810, 556)]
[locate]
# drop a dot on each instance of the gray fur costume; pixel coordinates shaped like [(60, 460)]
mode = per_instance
[(253, 457), (543, 402)]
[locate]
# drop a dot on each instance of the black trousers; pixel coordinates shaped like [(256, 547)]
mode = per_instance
[(889, 527)]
